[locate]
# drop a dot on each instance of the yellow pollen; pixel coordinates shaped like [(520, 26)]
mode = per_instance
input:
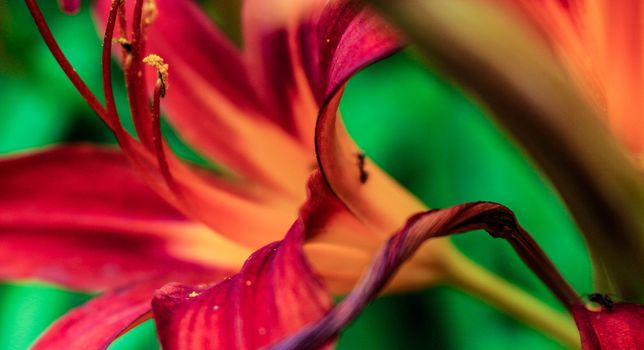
[(162, 68), (126, 44), (150, 12), (193, 294)]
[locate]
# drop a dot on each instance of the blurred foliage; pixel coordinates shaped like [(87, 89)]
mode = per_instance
[(428, 134)]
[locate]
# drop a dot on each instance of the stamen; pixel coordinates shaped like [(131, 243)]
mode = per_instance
[(122, 22), (106, 57), (135, 79), (150, 12), (63, 62), (125, 44), (157, 136), (162, 71)]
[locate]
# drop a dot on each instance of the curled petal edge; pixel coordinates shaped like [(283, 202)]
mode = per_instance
[(496, 219)]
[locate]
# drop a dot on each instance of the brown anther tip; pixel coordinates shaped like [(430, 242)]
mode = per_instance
[(162, 69), (125, 44), (150, 12)]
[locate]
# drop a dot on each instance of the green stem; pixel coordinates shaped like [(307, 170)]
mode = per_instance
[(473, 279)]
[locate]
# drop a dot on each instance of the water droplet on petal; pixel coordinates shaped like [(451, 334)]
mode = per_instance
[(248, 283), (261, 331), (215, 308)]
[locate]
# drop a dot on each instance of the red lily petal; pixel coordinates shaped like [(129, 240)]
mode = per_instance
[(224, 207), (350, 37), (620, 326), (96, 324), (79, 216), (248, 310), (273, 295), (494, 218)]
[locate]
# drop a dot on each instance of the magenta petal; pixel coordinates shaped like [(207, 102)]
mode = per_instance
[(273, 295), (79, 216), (350, 36), (618, 327)]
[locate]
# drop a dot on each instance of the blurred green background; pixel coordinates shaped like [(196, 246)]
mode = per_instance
[(419, 127)]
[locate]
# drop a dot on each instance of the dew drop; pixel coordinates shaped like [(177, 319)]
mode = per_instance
[(215, 308), (261, 331), (248, 283)]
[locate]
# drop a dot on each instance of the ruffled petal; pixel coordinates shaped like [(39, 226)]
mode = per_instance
[(350, 36), (78, 216), (248, 310), (273, 295), (276, 295), (620, 326), (494, 218)]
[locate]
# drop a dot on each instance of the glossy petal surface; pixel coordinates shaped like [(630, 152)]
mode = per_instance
[(273, 295)]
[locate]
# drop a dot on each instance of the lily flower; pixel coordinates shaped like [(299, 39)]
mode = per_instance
[(79, 217)]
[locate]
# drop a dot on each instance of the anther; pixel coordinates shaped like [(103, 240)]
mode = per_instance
[(162, 71), (125, 44), (150, 12)]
